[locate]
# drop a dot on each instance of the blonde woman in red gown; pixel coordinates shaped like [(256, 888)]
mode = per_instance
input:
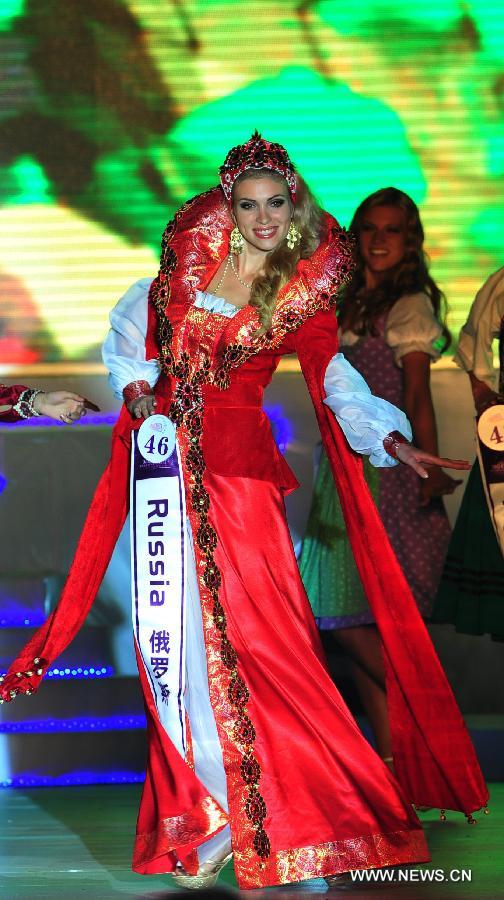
[(251, 748)]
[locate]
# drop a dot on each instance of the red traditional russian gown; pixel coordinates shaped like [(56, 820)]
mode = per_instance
[(307, 795)]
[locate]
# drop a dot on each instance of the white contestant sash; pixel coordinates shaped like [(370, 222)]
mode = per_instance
[(158, 568)]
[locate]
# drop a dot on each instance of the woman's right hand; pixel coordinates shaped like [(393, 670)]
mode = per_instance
[(142, 407)]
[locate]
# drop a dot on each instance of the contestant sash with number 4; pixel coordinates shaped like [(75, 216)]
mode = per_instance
[(490, 445)]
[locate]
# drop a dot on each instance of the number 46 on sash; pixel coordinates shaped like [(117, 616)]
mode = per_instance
[(156, 438)]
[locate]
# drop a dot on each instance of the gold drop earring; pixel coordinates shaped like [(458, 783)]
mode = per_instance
[(236, 241), (293, 236)]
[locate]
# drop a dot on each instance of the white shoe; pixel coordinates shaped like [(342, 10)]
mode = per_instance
[(207, 876)]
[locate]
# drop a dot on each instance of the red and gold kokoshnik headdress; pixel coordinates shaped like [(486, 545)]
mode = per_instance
[(257, 154)]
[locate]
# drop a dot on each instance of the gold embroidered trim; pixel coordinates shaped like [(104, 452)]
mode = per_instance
[(367, 852)]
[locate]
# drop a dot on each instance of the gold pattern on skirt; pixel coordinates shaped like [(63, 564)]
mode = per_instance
[(228, 692), (189, 828)]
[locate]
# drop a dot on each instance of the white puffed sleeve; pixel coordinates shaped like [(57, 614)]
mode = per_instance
[(474, 352), (123, 350), (365, 419), (412, 327)]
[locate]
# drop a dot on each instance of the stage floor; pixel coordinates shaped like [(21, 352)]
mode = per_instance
[(76, 842)]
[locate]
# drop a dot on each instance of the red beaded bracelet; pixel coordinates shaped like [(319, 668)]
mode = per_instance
[(136, 389), (392, 441)]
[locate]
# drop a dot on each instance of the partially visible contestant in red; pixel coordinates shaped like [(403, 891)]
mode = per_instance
[(252, 751), (20, 402)]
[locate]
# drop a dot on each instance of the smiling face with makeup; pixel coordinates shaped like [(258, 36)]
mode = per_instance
[(382, 241), (262, 209)]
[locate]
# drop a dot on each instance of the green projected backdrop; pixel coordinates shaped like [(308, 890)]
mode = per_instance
[(112, 113)]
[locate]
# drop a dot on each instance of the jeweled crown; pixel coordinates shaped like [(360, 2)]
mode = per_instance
[(257, 153)]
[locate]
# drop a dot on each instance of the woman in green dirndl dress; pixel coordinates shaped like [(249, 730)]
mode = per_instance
[(471, 591)]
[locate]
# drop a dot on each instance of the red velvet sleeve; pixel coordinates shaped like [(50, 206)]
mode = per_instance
[(8, 397), (425, 721)]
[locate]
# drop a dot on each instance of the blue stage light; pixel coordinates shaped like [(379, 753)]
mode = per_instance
[(78, 723), (18, 612), (29, 618), (283, 431), (97, 420), (79, 672), (71, 779), (3, 483)]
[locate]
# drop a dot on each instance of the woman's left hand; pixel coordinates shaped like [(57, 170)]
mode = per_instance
[(419, 459)]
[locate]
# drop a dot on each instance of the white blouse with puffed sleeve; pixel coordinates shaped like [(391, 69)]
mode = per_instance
[(412, 327), (123, 350)]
